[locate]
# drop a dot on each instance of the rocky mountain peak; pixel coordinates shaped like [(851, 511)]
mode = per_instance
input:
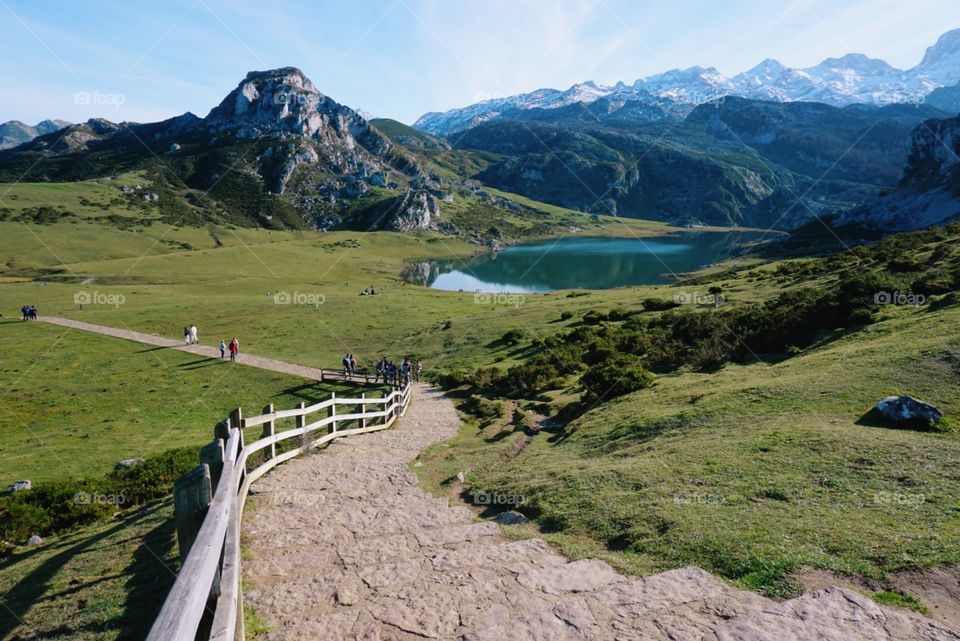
[(946, 45), (284, 101), (857, 62)]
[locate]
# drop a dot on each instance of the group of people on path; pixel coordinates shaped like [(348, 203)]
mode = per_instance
[(387, 370), (234, 348), (393, 375), (29, 312), (190, 338)]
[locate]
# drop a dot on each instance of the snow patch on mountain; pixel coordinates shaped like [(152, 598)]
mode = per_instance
[(849, 79)]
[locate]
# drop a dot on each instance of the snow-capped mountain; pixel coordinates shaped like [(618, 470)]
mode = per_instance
[(853, 78)]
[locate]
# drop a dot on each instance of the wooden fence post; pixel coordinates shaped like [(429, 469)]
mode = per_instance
[(332, 412), (301, 420), (222, 430), (192, 494), (236, 421), (269, 428), (211, 454)]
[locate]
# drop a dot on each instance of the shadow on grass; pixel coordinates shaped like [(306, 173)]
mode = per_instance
[(33, 587), (150, 578)]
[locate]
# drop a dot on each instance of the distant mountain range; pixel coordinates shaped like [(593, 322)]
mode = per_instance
[(14, 132), (853, 78), (278, 153)]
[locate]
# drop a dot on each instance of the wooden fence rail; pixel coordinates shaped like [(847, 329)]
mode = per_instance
[(205, 601)]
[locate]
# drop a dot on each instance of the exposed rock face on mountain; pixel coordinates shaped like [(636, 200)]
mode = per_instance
[(929, 193), (849, 79), (857, 143), (945, 98), (14, 132), (414, 210), (732, 162), (273, 151)]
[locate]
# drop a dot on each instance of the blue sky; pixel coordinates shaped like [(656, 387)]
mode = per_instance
[(146, 61)]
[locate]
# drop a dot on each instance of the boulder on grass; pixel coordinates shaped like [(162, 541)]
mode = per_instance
[(127, 463), (34, 540), (511, 517), (907, 411), (20, 486)]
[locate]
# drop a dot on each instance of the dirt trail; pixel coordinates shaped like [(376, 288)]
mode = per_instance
[(343, 544), (209, 351)]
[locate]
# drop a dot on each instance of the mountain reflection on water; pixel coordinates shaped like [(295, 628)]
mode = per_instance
[(581, 263)]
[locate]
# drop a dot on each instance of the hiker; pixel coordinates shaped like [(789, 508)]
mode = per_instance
[(405, 371), (353, 364), (26, 312), (345, 361), (418, 370), (186, 335), (223, 349), (193, 335), (234, 348), (391, 372), (381, 370), (32, 314)]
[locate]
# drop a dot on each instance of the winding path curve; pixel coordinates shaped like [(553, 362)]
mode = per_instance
[(343, 544)]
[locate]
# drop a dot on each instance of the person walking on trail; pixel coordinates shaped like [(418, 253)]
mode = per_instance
[(353, 364), (193, 335), (391, 372), (223, 349), (186, 335), (345, 361), (418, 369), (32, 314), (234, 348), (26, 312), (381, 370), (405, 371)]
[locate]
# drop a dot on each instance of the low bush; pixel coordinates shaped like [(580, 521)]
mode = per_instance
[(50, 508), (618, 375), (659, 304)]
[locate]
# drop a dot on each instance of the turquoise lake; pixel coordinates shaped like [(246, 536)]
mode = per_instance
[(582, 263)]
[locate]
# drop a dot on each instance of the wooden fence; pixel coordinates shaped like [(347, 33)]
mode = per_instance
[(205, 602)]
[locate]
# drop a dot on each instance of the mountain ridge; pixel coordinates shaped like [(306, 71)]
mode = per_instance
[(848, 79)]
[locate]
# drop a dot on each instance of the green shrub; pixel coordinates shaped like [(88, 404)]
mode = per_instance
[(593, 317), (514, 337), (483, 409), (616, 376), (49, 508), (659, 304), (567, 315)]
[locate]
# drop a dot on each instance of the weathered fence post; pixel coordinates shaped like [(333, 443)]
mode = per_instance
[(332, 412), (269, 428), (236, 420), (192, 494), (301, 420), (222, 430), (211, 454), (363, 410)]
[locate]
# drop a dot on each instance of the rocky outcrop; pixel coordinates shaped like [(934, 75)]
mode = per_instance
[(413, 210), (929, 192)]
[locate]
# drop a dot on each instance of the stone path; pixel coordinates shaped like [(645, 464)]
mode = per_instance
[(209, 351), (343, 544)]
